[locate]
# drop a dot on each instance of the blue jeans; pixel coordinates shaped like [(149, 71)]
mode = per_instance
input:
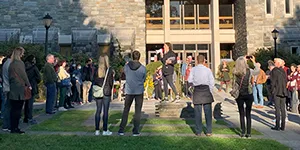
[(208, 117), (51, 94), (6, 111), (258, 88), (102, 102)]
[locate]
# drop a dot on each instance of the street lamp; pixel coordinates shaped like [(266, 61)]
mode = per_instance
[(275, 35), (47, 19)]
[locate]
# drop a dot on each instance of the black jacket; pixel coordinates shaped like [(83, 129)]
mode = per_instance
[(168, 69), (107, 91), (88, 73), (278, 82), (33, 75)]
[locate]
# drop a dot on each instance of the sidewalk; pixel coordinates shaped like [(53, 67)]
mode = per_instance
[(262, 120)]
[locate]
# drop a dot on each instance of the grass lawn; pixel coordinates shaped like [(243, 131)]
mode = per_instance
[(57, 142), (73, 121)]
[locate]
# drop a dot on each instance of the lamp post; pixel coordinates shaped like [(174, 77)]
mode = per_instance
[(47, 19), (275, 35)]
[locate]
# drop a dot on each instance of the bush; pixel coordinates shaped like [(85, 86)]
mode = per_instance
[(263, 55), (30, 49)]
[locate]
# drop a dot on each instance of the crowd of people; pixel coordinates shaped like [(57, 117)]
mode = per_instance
[(67, 84)]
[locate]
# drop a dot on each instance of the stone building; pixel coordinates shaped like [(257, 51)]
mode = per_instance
[(218, 29)]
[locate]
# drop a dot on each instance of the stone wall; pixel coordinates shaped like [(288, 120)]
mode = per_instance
[(104, 15), (259, 25), (240, 27)]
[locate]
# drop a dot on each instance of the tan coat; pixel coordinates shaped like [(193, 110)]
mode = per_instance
[(261, 78)]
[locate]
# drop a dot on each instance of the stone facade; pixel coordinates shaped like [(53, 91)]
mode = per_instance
[(103, 15), (258, 25)]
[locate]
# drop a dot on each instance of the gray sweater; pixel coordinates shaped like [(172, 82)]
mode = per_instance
[(5, 76), (135, 74)]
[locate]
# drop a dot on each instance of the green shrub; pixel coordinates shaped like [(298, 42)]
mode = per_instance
[(263, 55), (30, 49)]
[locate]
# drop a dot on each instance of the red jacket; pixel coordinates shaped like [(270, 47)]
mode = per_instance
[(294, 77)]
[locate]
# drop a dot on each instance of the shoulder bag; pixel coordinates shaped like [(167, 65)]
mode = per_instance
[(97, 90), (235, 92)]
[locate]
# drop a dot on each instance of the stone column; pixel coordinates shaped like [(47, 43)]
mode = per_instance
[(215, 35), (166, 16)]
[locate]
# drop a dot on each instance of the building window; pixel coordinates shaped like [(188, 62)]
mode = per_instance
[(295, 50), (288, 7), (268, 7), (154, 14)]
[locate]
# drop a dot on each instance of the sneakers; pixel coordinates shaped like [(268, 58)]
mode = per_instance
[(6, 130), (107, 133), (97, 132), (136, 134), (17, 131), (121, 133), (32, 122), (62, 109)]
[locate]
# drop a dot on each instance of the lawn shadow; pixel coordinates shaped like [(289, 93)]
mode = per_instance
[(188, 114), (143, 120), (294, 118), (233, 102)]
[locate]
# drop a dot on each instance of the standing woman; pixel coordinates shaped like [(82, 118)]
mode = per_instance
[(34, 77), (62, 75), (242, 78), (224, 74), (103, 71), (18, 80)]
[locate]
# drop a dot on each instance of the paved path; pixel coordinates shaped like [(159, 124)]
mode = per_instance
[(262, 120)]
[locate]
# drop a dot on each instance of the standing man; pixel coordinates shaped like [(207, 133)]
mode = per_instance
[(50, 78), (279, 91), (168, 59), (203, 82), (135, 74), (6, 89)]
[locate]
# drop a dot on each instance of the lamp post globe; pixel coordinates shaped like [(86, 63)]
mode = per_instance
[(275, 36)]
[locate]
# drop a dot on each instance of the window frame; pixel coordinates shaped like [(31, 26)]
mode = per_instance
[(291, 9), (269, 15), (298, 50)]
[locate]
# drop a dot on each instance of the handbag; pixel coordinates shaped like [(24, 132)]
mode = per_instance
[(27, 90), (97, 90), (66, 82), (235, 92)]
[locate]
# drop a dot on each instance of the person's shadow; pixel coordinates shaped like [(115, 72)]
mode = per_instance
[(188, 114)]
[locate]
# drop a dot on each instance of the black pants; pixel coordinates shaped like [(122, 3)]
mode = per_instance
[(157, 91), (248, 100), (187, 85), (28, 108), (168, 80), (280, 110), (102, 102), (15, 113), (137, 114)]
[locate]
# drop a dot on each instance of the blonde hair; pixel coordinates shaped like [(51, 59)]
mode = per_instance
[(17, 53), (241, 66), (103, 65)]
